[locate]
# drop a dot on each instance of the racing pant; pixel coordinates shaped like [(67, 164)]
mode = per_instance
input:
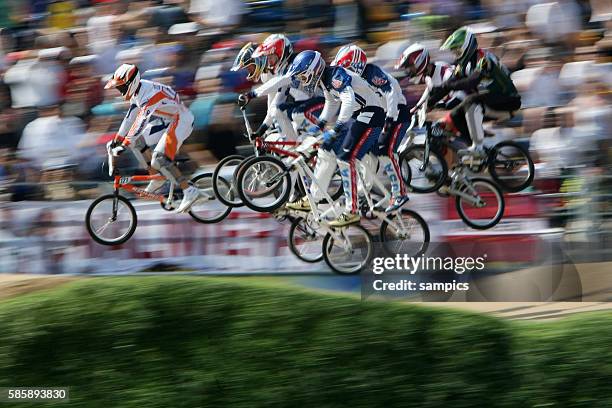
[(326, 164), (468, 116), (387, 151), (178, 130), (360, 139)]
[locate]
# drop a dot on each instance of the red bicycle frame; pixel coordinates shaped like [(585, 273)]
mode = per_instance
[(125, 184), (271, 147)]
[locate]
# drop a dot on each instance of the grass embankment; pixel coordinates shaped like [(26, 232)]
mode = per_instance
[(184, 342)]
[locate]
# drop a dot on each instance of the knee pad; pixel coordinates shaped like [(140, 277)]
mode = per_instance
[(160, 161)]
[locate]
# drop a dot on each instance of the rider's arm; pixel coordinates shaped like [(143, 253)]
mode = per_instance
[(272, 86), (330, 108), (274, 100), (392, 99), (128, 121), (463, 84), (347, 107)]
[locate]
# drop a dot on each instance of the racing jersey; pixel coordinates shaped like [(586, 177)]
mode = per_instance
[(351, 93), (277, 90), (441, 73), (386, 87), (152, 100), (484, 71)]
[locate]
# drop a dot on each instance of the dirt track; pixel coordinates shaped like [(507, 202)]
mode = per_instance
[(13, 285)]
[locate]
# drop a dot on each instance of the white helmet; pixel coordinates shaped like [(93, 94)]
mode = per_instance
[(126, 79), (414, 60)]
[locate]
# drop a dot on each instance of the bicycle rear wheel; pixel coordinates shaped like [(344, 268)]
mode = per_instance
[(208, 209), (226, 169), (111, 220), (511, 166), (490, 207), (349, 250)]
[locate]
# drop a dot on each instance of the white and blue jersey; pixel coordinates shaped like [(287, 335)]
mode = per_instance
[(386, 87), (278, 88), (355, 97)]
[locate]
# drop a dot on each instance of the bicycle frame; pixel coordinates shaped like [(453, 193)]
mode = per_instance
[(261, 144), (459, 174), (124, 183)]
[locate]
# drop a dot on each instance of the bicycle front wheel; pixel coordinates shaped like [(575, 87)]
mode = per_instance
[(425, 180), (111, 220), (348, 250), (263, 183), (208, 209), (305, 241), (406, 232)]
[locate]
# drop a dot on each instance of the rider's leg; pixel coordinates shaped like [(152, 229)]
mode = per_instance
[(141, 151), (323, 173), (474, 116), (165, 152), (151, 136), (359, 141), (389, 161)]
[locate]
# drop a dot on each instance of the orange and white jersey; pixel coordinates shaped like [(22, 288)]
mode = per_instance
[(152, 100)]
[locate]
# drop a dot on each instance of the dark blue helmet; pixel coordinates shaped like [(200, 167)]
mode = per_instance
[(307, 68)]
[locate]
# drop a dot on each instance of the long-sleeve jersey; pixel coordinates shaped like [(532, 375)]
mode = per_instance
[(386, 86), (277, 88), (441, 73), (152, 100), (348, 91), (484, 71)]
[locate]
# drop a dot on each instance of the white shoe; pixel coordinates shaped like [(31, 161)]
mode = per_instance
[(155, 185), (190, 196), (474, 151)]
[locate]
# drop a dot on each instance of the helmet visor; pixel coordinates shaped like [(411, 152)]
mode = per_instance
[(123, 88)]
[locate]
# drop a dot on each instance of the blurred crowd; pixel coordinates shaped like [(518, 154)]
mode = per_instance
[(55, 55)]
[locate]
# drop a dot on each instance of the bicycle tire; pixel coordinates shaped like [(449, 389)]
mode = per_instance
[(221, 197), (411, 152), (492, 170), (221, 216), (126, 236), (328, 245), (498, 217), (286, 180)]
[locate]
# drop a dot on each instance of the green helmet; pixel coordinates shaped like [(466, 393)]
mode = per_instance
[(462, 43)]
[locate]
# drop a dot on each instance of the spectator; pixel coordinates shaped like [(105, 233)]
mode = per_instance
[(50, 140), (224, 15)]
